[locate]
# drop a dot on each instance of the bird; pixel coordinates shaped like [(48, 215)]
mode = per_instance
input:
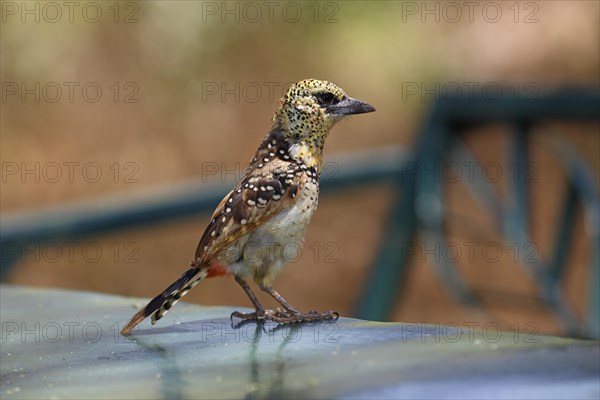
[(269, 208)]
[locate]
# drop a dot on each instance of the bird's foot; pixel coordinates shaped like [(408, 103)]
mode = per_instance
[(282, 316), (313, 316)]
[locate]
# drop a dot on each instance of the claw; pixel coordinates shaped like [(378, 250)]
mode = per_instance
[(246, 316)]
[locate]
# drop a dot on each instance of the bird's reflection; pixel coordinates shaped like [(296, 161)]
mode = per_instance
[(268, 367), (267, 378)]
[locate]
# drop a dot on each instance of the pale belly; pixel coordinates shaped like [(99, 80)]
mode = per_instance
[(263, 253)]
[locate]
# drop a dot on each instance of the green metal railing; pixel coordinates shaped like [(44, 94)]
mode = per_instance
[(419, 208), (158, 204)]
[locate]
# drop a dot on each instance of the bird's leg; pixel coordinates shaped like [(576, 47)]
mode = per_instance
[(260, 309), (280, 299), (294, 315), (288, 316)]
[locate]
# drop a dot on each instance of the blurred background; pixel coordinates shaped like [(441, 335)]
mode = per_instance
[(128, 98)]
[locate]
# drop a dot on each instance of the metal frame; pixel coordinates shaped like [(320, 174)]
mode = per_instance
[(421, 210), (419, 207)]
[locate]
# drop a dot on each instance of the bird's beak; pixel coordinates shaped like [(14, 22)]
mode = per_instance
[(350, 106)]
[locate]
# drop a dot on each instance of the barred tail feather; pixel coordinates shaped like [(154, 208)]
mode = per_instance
[(176, 295), (162, 303)]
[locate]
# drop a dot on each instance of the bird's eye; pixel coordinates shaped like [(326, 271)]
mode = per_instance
[(325, 98)]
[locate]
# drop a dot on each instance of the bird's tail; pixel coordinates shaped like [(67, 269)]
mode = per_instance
[(162, 303)]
